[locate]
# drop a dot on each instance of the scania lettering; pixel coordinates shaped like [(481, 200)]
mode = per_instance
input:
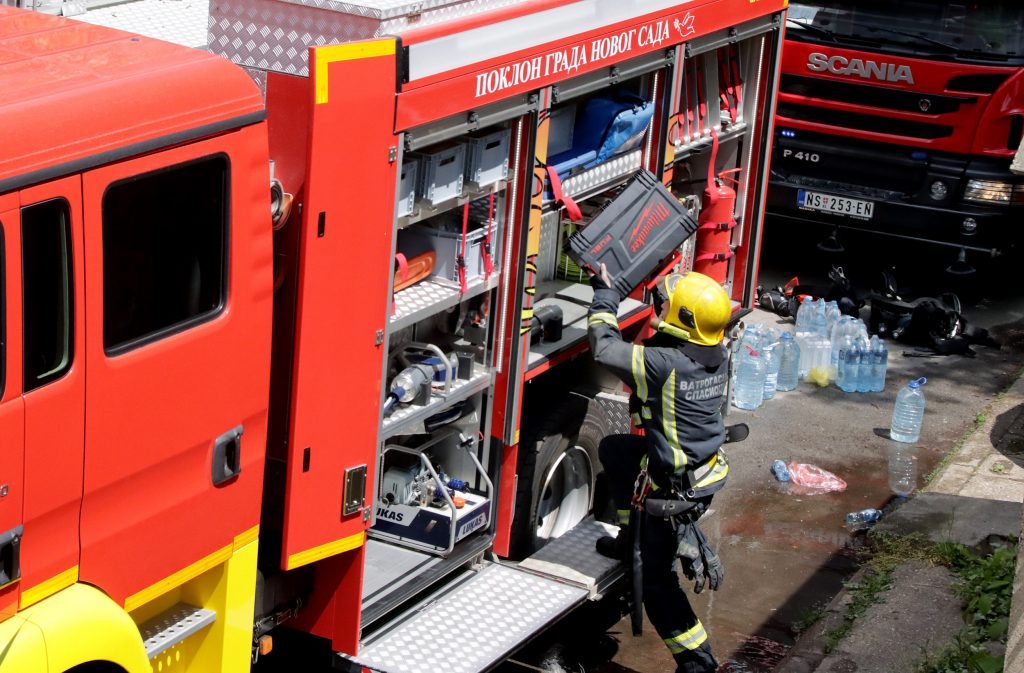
[(840, 65), (271, 277), (910, 113)]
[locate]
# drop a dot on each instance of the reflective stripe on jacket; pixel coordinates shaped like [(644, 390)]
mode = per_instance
[(679, 385)]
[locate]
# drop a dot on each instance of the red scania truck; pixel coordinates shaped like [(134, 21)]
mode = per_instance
[(287, 335), (900, 119)]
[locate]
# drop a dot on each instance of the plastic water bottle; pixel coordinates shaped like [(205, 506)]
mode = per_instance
[(770, 348), (789, 362), (819, 353), (803, 315), (867, 369), (862, 519), (908, 412), (902, 469), (750, 375), (780, 470), (849, 368), (832, 314), (879, 363), (819, 319)]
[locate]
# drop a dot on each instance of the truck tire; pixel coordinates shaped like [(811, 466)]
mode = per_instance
[(560, 478)]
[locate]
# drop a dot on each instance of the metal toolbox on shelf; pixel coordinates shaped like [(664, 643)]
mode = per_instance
[(407, 185), (441, 172), (486, 158), (445, 239), (635, 233)]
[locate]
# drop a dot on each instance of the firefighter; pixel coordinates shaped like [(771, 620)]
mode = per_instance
[(663, 481)]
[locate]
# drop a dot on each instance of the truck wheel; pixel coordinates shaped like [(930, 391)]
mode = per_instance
[(560, 476)]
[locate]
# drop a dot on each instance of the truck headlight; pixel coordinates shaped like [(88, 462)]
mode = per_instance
[(994, 192)]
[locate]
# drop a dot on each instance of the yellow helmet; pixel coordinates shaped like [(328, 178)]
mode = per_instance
[(698, 309)]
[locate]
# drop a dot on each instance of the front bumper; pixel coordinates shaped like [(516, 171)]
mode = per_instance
[(978, 229)]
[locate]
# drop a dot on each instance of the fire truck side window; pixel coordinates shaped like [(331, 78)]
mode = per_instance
[(165, 240), (48, 309)]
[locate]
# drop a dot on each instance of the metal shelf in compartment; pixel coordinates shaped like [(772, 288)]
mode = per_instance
[(404, 419), (434, 295), (425, 211), (685, 150), (601, 178)]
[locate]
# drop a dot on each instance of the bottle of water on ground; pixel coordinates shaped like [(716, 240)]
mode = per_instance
[(750, 374), (850, 359), (902, 469), (770, 348), (908, 412), (789, 363), (780, 470), (879, 363), (866, 371), (862, 519)]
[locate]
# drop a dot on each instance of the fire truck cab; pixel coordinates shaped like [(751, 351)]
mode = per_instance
[(288, 333), (899, 121)]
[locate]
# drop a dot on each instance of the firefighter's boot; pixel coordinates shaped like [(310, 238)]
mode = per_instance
[(699, 660)]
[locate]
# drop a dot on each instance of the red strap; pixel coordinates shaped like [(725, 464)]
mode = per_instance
[(713, 257), (556, 189), (737, 81), (712, 188), (461, 261), (689, 108), (488, 264), (702, 112), (403, 266)]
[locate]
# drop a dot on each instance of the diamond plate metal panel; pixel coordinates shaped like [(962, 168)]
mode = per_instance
[(547, 260), (179, 21), (473, 626), (276, 34), (574, 558), (617, 408)]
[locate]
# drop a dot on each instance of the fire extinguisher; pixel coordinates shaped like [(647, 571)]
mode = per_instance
[(717, 220)]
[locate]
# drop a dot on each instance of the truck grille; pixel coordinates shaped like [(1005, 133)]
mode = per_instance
[(864, 122), (881, 97)]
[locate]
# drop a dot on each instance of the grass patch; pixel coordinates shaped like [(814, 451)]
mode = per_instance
[(863, 594), (808, 617), (986, 588), (883, 554)]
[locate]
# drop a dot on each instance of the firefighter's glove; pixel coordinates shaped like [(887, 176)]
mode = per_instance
[(688, 551), (712, 566), (698, 560)]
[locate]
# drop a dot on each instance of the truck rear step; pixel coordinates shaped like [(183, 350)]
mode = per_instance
[(481, 618), (173, 626)]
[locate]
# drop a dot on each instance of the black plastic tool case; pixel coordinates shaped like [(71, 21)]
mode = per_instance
[(634, 234)]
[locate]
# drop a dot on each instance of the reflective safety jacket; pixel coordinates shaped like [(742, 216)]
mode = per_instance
[(680, 388)]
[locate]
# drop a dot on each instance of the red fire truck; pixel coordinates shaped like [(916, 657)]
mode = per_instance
[(901, 119), (280, 323)]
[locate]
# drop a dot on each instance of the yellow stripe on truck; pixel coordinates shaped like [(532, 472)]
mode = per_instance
[(49, 587), (346, 52)]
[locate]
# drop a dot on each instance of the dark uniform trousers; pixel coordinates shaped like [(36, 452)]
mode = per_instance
[(665, 601)]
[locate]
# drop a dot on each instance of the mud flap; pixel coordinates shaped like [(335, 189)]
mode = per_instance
[(481, 618)]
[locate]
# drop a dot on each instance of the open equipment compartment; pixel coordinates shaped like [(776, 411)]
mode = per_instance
[(433, 500)]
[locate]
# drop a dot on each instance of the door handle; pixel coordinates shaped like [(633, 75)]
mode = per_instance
[(10, 555), (227, 456)]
